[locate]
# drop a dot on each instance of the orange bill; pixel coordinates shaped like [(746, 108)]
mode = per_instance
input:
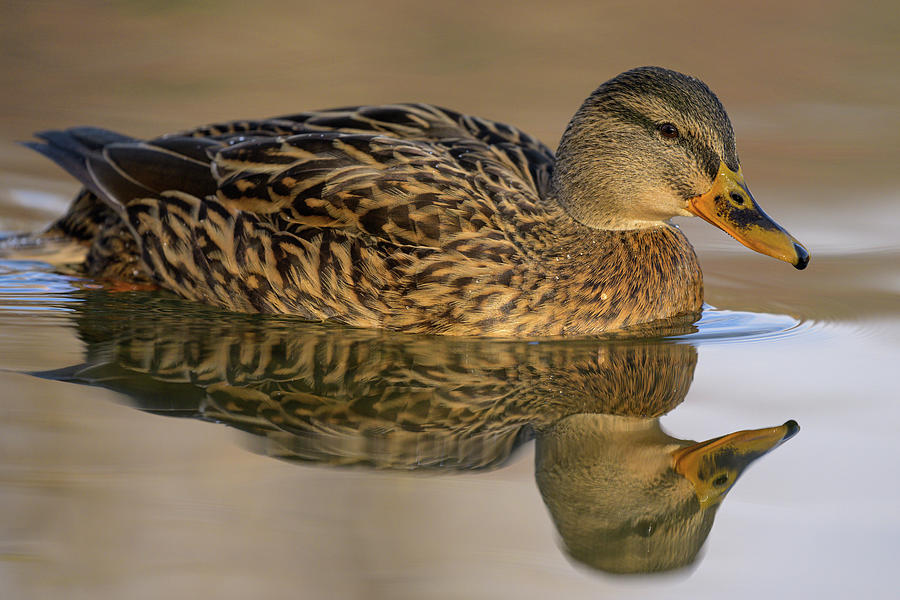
[(729, 206), (714, 465)]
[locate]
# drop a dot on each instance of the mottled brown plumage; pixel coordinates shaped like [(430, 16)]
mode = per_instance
[(412, 217)]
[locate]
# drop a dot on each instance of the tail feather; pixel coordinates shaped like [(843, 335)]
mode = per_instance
[(96, 138), (80, 154), (120, 169), (72, 161), (82, 139)]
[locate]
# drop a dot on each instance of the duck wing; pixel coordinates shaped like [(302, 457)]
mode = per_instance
[(380, 188), (406, 121), (327, 224)]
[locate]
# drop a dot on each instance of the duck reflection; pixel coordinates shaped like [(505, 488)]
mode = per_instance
[(628, 498), (625, 496)]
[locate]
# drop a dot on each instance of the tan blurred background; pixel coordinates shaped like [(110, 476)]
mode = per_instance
[(827, 72)]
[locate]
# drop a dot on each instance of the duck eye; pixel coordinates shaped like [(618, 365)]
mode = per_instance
[(644, 528), (668, 130)]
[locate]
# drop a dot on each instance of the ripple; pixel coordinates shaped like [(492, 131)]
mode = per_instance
[(733, 326), (27, 286)]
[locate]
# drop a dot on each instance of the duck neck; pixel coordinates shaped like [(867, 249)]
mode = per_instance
[(582, 250), (619, 276)]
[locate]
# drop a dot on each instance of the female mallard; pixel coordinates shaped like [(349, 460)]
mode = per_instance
[(420, 219)]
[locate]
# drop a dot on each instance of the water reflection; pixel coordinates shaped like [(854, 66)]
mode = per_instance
[(624, 495), (628, 498)]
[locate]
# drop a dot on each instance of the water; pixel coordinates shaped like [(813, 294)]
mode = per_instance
[(151, 447), (413, 506)]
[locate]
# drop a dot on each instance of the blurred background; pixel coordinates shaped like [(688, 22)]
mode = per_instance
[(98, 500), (820, 78)]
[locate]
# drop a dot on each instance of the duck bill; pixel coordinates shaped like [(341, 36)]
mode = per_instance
[(714, 465), (729, 206)]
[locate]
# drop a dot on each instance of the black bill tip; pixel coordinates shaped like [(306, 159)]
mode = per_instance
[(792, 429), (802, 257)]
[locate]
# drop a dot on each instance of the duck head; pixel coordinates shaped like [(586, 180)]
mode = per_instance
[(652, 144)]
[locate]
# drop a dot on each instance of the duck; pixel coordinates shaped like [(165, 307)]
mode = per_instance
[(624, 495), (420, 219)]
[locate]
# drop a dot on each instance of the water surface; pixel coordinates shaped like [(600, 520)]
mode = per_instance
[(151, 447)]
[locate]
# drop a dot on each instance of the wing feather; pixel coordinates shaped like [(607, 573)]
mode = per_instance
[(402, 192), (368, 215)]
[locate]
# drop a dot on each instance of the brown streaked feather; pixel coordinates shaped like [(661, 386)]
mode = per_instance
[(409, 217), (84, 220)]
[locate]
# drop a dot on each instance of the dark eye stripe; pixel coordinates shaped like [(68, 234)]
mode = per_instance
[(630, 115), (731, 157), (707, 157)]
